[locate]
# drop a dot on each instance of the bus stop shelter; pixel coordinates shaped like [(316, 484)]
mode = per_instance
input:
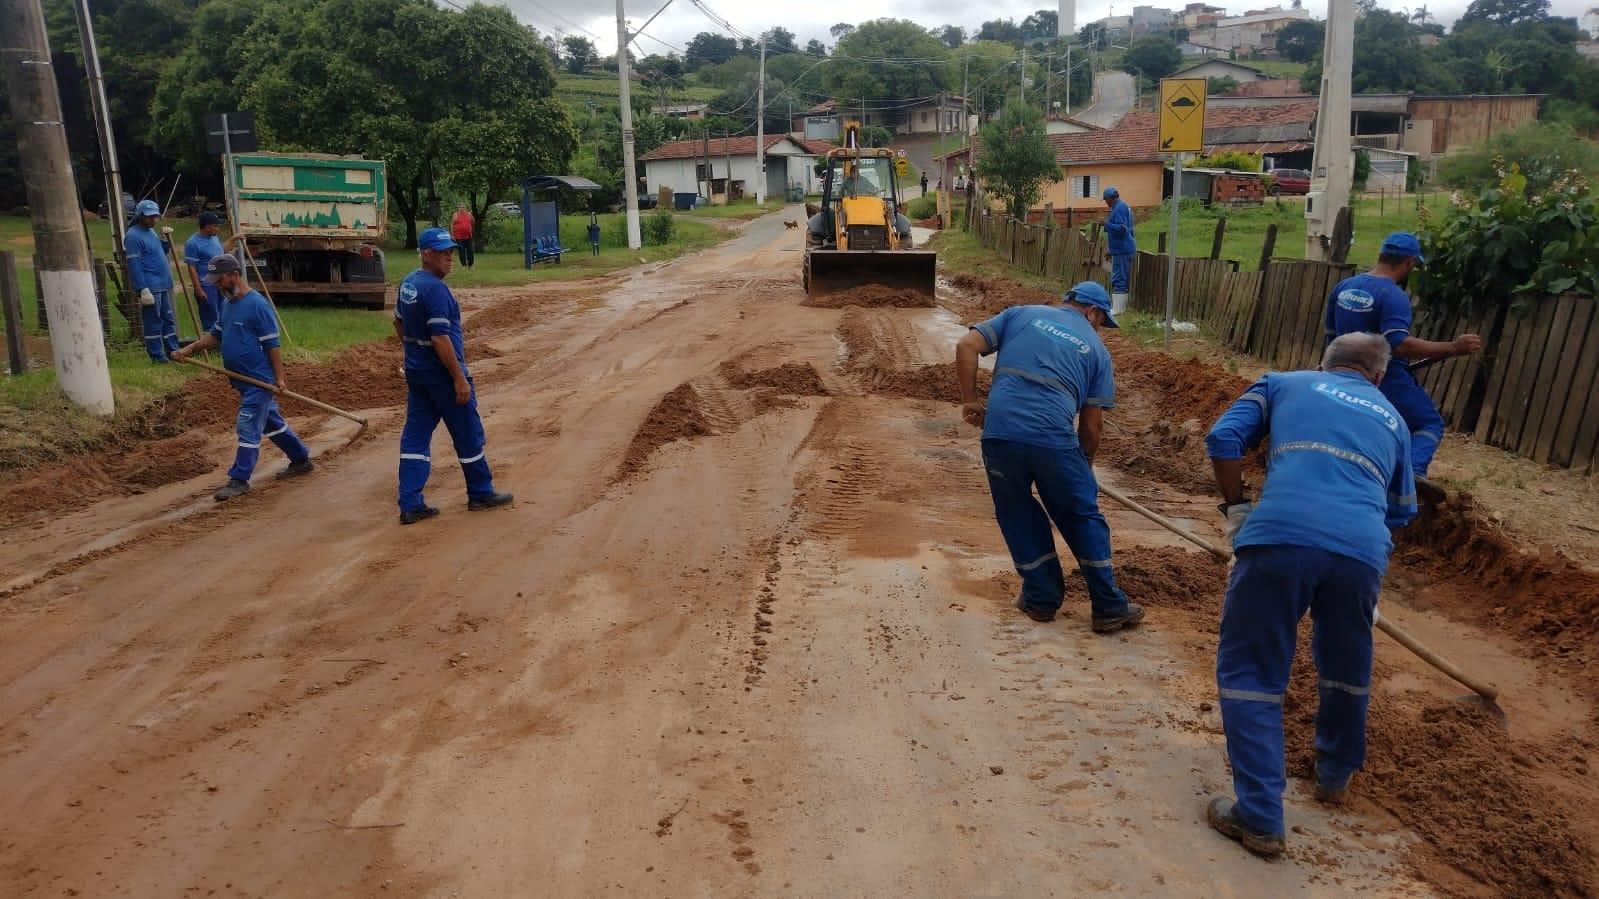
[(541, 218)]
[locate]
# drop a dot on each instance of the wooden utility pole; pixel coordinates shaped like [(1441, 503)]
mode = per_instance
[(66, 284)]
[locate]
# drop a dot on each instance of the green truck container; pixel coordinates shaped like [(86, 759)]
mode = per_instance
[(313, 223)]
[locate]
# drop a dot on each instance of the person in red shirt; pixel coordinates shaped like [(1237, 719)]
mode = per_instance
[(461, 231)]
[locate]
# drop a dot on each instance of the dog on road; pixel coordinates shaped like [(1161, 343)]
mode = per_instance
[(791, 224)]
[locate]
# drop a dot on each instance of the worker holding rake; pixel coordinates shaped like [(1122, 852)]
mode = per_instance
[(1317, 541), (247, 330)]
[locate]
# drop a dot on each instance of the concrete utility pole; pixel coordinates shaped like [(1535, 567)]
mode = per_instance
[(102, 124), (64, 276), (1333, 171), (1024, 73), (760, 132), (629, 167)]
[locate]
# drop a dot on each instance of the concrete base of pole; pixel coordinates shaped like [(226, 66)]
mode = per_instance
[(76, 340)]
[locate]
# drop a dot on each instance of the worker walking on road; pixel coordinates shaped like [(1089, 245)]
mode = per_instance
[(151, 278), (924, 184), (439, 388), (1121, 247), (594, 235), (1041, 427), (247, 331), (1317, 540), (198, 251), (462, 229), (1376, 303)]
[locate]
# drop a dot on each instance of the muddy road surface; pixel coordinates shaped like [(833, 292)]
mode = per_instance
[(746, 631)]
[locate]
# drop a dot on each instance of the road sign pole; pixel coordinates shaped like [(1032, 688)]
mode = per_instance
[(1182, 130), (1171, 246)]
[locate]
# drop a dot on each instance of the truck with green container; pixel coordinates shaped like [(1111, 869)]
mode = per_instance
[(312, 224)]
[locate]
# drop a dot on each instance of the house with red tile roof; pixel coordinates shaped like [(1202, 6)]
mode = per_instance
[(688, 166)]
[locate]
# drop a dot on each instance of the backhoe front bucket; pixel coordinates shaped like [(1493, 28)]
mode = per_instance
[(834, 270)]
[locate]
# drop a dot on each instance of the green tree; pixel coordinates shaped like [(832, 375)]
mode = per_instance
[(780, 40), (951, 36), (864, 75), (1016, 160), (580, 53), (709, 49), (1301, 40), (1220, 87), (1389, 58), (1094, 35), (841, 30), (1002, 30), (1152, 58), (1041, 25), (815, 48), (1505, 12)]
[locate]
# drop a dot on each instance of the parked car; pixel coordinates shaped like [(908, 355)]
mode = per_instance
[(511, 209), (1289, 181)]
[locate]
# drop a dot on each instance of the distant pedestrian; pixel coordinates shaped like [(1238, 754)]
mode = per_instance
[(1337, 481), (924, 184), (463, 228), (151, 278), (1041, 428), (594, 234), (247, 331), (427, 320), (198, 251), (1121, 247)]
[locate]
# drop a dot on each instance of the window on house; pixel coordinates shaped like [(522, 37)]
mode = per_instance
[(1084, 187), (700, 173)]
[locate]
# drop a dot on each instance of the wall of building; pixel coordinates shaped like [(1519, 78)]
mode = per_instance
[(680, 174), (1140, 184), (1461, 122), (1216, 68)]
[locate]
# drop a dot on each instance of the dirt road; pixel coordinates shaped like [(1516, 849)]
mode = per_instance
[(746, 631)]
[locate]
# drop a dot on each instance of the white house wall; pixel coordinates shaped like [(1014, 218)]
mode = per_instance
[(680, 174)]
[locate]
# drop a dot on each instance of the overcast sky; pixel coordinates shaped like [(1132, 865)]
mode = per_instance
[(811, 20)]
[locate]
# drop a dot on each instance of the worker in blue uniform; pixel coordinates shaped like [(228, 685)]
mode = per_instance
[(439, 388), (1121, 247), (1337, 480), (151, 278), (1041, 426), (1376, 303), (198, 251), (247, 330)]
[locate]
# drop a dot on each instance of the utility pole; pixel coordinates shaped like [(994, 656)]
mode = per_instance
[(1068, 106), (65, 279), (966, 100), (102, 124), (1332, 173), (1049, 83), (760, 131), (629, 166), (1024, 73)]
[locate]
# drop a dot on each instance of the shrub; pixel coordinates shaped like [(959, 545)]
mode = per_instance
[(1362, 169), (1232, 160), (1513, 239), (659, 228), (922, 207), (1542, 151)]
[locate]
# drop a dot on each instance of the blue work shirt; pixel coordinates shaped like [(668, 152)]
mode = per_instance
[(147, 259), (247, 328), (1119, 230), (1371, 304), (426, 308), (1339, 473), (199, 249), (1051, 364)]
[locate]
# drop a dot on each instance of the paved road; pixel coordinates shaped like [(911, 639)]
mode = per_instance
[(1116, 91)]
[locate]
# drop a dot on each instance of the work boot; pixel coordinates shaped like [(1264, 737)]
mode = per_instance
[(1118, 303), (1033, 612), (1331, 792), (234, 487), (1109, 624), (295, 469), (1223, 817), (416, 515), (492, 501)]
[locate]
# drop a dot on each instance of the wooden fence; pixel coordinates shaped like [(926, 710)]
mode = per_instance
[(1533, 391)]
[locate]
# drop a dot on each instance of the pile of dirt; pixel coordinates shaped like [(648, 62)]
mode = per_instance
[(984, 297), (871, 296), (791, 378), (921, 382), (679, 415), (1165, 577), (1544, 598)]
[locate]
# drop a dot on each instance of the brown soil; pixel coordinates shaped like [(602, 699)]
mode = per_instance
[(680, 415), (871, 296), (989, 296), (924, 382), (793, 378), (1170, 578)]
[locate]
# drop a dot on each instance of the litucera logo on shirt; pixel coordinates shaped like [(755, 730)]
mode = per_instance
[(1356, 300), (1335, 392), (407, 292), (1069, 337)]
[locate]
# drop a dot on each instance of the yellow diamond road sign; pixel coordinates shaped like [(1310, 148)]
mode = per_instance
[(1182, 115)]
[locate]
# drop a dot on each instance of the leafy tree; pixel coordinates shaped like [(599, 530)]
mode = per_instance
[(708, 48), (1389, 58), (580, 53), (980, 62), (1301, 40), (1016, 160), (886, 39), (1220, 87), (1003, 30), (841, 30), (951, 36), (1152, 58), (780, 40), (1505, 12), (815, 48), (1041, 25)]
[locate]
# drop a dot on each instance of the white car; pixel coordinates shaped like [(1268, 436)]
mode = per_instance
[(511, 209)]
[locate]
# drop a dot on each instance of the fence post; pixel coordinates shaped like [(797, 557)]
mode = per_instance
[(1160, 244), (38, 297), (1221, 232), (1268, 246), (11, 299), (1342, 234)]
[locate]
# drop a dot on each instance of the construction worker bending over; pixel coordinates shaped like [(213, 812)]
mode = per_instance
[(151, 278), (1317, 540), (1041, 426), (247, 331), (438, 387), (1121, 247), (1376, 303)]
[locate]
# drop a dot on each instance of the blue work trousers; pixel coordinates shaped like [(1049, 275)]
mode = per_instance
[(1270, 589), (1420, 415), (426, 404), (209, 301), (160, 326), (1121, 273), (260, 417), (1070, 497)]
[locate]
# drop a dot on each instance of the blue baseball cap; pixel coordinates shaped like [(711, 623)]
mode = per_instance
[(435, 239), (1111, 193), (1402, 243), (1090, 293), (146, 207), (209, 218)]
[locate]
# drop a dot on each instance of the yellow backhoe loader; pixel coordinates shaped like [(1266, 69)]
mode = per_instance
[(859, 235)]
